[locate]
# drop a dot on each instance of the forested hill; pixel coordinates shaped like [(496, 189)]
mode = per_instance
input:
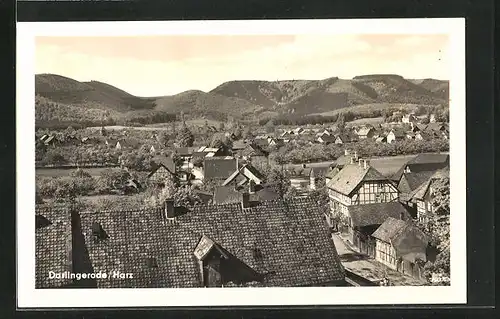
[(60, 97)]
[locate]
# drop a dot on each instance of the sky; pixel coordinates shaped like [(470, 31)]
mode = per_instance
[(167, 65)]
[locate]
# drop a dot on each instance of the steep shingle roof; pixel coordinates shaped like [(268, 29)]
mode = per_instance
[(293, 243), (226, 194), (419, 192), (52, 247), (346, 181), (409, 242), (414, 180), (376, 214), (364, 131), (220, 168), (425, 162)]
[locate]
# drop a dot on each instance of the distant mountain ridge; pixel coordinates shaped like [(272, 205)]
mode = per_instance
[(245, 98)]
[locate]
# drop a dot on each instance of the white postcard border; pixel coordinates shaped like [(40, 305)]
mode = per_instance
[(29, 297)]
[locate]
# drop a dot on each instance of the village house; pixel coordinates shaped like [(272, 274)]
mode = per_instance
[(244, 175), (363, 220), (163, 168), (381, 139), (345, 138), (48, 139), (238, 146), (400, 246), (253, 150), (244, 244), (358, 184), (326, 139), (436, 127), (365, 132), (426, 162), (305, 178), (395, 135), (422, 195), (323, 132), (409, 118), (411, 181), (219, 168), (432, 118), (349, 157)]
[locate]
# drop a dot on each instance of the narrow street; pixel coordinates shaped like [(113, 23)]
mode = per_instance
[(366, 267)]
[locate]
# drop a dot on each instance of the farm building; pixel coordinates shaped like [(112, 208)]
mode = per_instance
[(400, 245), (363, 220)]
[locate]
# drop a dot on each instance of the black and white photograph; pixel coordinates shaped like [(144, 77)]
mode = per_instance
[(242, 155)]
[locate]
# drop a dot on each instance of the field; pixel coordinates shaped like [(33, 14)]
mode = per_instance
[(364, 121), (65, 172), (367, 108)]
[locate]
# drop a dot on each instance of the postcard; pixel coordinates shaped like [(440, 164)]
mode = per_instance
[(241, 163)]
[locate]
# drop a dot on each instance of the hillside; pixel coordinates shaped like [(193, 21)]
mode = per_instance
[(439, 87), (239, 99), (87, 94)]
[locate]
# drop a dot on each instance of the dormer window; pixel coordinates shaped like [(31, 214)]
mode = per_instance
[(257, 254), (41, 221), (151, 262), (98, 232)]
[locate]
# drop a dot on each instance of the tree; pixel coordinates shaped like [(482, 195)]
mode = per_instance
[(278, 181), (270, 126), (186, 197), (158, 199), (247, 133), (55, 157), (425, 119), (110, 180), (341, 122), (219, 140), (437, 227), (185, 137)]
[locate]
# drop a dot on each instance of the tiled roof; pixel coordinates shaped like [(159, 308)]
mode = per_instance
[(409, 242), (351, 175), (414, 180), (53, 246), (435, 126), (419, 192), (238, 145), (364, 131), (185, 151), (255, 150), (165, 161), (220, 168), (375, 214), (294, 245), (328, 138), (226, 194), (429, 158), (242, 172)]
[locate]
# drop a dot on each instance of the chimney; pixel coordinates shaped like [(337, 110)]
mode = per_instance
[(366, 164), (312, 180), (169, 208), (360, 162), (356, 155), (353, 160), (402, 216), (303, 165), (245, 200), (251, 187)]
